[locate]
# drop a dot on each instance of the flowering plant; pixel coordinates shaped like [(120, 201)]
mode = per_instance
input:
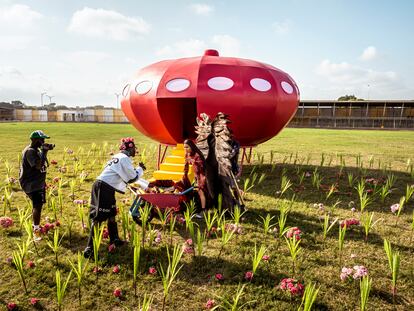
[(210, 304), (292, 286), (395, 208), (152, 270), (349, 222), (357, 272), (294, 232), (236, 228), (6, 222)]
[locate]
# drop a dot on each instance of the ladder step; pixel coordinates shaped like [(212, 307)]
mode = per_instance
[(172, 167), (174, 159), (163, 175), (178, 152)]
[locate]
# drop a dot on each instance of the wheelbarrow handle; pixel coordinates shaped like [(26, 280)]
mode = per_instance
[(186, 191), (132, 190)]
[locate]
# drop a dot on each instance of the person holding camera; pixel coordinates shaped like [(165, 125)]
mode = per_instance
[(33, 175), (118, 172)]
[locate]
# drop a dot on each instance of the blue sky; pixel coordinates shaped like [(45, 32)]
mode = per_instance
[(83, 52)]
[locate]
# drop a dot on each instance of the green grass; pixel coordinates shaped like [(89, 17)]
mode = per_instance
[(318, 262)]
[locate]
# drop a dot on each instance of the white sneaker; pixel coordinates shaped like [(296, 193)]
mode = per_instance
[(37, 236)]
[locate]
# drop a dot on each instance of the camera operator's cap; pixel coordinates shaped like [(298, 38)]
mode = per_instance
[(38, 134)]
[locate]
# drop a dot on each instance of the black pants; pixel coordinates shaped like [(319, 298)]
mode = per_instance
[(103, 207), (38, 199)]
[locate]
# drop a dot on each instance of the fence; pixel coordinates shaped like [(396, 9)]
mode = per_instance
[(355, 114)]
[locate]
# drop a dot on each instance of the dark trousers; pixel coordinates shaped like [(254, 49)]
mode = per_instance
[(112, 230), (103, 207)]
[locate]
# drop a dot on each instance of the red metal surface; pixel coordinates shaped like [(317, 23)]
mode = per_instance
[(162, 200), (168, 117)]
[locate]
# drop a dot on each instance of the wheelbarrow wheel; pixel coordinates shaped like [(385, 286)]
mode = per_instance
[(138, 218)]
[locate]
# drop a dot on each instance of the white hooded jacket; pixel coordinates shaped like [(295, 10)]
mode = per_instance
[(119, 171)]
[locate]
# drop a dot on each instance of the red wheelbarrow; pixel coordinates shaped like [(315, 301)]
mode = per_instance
[(161, 201)]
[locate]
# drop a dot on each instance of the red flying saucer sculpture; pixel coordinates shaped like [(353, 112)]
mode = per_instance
[(163, 99)]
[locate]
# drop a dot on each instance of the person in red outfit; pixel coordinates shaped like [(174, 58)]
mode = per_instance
[(194, 157)]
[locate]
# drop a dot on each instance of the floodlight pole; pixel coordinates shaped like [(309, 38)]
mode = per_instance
[(50, 98), (41, 98), (117, 100)]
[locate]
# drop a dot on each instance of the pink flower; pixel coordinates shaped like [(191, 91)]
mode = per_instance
[(292, 286), (111, 248), (105, 233), (353, 210), (189, 242), (116, 269), (248, 276), (118, 293), (188, 250), (294, 232), (265, 257), (53, 162), (33, 301), (97, 270), (395, 208), (31, 264), (219, 276), (11, 306), (210, 304), (6, 222), (57, 223), (345, 273), (360, 271), (343, 276), (56, 179), (349, 222), (152, 270)]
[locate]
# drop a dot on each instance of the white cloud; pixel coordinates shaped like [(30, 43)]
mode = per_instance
[(201, 9), (369, 53), (345, 73), (18, 16), (226, 45), (342, 78), (283, 27), (84, 91), (107, 24), (14, 42), (186, 48), (86, 57)]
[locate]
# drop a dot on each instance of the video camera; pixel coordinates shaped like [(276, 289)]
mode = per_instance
[(47, 146)]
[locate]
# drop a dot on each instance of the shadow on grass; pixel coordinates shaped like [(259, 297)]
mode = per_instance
[(311, 225), (308, 193)]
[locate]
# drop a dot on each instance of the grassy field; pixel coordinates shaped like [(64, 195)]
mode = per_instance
[(301, 169)]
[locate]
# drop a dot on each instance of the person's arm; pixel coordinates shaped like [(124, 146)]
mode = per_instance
[(34, 159), (126, 170)]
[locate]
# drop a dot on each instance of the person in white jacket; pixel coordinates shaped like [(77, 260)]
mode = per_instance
[(118, 172)]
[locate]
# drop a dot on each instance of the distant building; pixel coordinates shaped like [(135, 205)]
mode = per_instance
[(310, 113)]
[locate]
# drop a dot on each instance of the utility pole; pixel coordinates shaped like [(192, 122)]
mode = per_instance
[(41, 98), (117, 100)]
